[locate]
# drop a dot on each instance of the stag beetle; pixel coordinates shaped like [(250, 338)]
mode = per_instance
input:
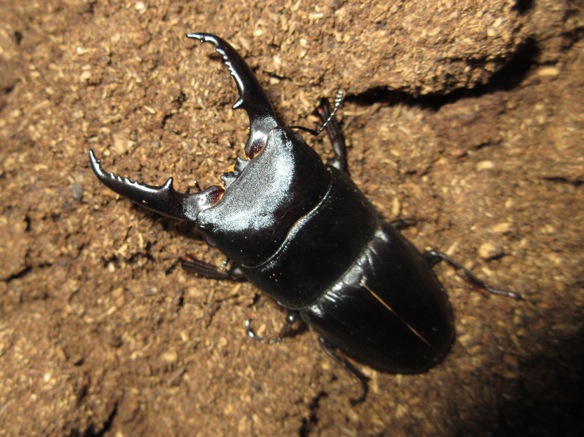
[(302, 232)]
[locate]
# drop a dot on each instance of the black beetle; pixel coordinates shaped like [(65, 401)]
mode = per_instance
[(302, 232)]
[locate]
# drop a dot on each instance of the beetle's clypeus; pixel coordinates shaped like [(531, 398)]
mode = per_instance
[(302, 232)]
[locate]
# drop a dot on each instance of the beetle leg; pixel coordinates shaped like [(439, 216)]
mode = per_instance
[(340, 358), (287, 331), (206, 270), (433, 257), (334, 132)]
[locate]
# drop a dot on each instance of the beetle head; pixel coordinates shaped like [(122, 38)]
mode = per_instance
[(165, 199)]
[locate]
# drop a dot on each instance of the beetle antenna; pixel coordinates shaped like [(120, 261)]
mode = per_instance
[(338, 103)]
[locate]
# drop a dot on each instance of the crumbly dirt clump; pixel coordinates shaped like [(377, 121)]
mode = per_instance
[(465, 115)]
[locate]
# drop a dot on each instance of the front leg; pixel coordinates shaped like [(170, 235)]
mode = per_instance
[(194, 265)]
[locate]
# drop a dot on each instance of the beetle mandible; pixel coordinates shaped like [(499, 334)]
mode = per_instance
[(302, 232)]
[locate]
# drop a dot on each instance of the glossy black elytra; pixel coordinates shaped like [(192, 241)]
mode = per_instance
[(302, 232)]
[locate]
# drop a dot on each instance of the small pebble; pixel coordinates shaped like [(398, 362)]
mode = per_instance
[(485, 165), (502, 228), (490, 251), (77, 191)]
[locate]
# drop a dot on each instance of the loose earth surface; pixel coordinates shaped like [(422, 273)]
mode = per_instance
[(466, 116)]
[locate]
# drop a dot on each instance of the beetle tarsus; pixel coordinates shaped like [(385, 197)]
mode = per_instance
[(252, 334), (194, 265), (433, 257), (287, 331), (336, 355)]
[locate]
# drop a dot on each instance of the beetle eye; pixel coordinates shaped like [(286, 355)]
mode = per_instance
[(216, 196), (254, 151)]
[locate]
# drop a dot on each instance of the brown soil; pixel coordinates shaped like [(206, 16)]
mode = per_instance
[(465, 115)]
